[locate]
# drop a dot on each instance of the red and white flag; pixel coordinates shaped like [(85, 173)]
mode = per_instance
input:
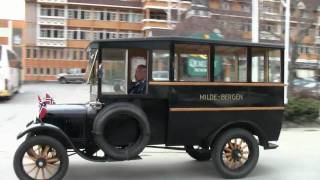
[(49, 99), (42, 108)]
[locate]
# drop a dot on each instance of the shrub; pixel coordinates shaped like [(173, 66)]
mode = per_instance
[(302, 110)]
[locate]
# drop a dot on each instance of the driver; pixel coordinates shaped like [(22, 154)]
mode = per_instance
[(141, 75)]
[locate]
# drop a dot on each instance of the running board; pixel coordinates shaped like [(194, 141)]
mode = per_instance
[(165, 147)]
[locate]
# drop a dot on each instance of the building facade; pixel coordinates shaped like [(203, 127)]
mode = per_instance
[(11, 35), (58, 31)]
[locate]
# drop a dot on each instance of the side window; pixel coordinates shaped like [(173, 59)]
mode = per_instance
[(230, 64), (191, 62), (13, 60), (160, 65), (266, 65), (274, 65), (259, 65)]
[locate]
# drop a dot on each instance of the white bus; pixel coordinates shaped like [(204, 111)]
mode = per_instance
[(10, 68)]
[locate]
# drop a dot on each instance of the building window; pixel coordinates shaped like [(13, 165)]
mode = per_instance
[(28, 71), (52, 12), (54, 54), (73, 14), (80, 55), (225, 6), (75, 55), (35, 71), (28, 53), (48, 71), (124, 17), (51, 33), (41, 71), (34, 53)]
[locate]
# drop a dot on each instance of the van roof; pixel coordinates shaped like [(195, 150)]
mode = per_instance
[(186, 40)]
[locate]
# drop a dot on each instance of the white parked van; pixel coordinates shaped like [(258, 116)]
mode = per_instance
[(10, 68)]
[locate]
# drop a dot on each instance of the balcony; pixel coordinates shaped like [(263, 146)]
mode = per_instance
[(158, 24), (52, 21), (52, 42), (271, 17), (52, 1)]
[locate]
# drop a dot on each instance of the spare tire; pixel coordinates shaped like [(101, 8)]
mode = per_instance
[(112, 114)]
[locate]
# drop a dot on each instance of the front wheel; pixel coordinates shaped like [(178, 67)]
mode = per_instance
[(198, 153), (235, 153), (41, 157)]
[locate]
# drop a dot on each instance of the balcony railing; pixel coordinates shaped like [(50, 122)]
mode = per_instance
[(53, 21), (52, 1), (54, 42)]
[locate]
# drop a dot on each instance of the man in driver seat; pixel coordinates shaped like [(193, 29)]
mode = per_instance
[(140, 76)]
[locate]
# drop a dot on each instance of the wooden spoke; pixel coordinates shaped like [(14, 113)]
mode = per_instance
[(244, 158), (29, 164), (43, 175), (227, 150), (52, 160), (35, 166), (228, 154), (37, 173), (33, 154), (230, 145), (245, 146), (45, 151), (245, 152), (48, 170)]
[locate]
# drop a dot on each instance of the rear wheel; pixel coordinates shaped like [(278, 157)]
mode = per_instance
[(41, 157), (235, 153), (63, 80), (198, 153)]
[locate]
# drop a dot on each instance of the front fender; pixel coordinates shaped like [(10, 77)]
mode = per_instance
[(37, 127)]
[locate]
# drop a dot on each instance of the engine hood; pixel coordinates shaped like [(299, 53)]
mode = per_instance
[(66, 109)]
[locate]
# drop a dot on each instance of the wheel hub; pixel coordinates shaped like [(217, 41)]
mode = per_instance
[(236, 154), (41, 162)]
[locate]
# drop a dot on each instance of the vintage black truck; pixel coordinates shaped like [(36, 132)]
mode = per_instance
[(217, 100)]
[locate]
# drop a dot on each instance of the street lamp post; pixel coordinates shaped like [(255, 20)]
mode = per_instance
[(286, 4)]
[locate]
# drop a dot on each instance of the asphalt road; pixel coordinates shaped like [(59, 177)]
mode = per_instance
[(298, 156)]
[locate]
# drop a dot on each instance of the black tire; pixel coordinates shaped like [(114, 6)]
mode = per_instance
[(230, 150), (58, 154), (201, 154), (63, 80), (106, 116)]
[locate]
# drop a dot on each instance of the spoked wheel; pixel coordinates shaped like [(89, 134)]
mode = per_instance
[(235, 153), (41, 157), (198, 153)]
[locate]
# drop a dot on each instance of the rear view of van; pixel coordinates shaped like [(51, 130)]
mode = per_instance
[(9, 72)]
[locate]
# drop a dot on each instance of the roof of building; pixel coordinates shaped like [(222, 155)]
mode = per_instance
[(129, 3)]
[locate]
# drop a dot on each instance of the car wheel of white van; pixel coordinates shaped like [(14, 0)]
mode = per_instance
[(63, 80), (235, 153), (41, 157)]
